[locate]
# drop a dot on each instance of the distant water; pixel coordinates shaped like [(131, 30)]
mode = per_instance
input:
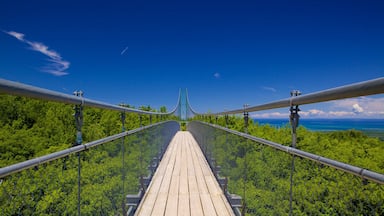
[(330, 124), (371, 127)]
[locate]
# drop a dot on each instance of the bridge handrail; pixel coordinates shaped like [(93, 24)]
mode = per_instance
[(365, 88), (15, 88), (354, 170), (6, 171)]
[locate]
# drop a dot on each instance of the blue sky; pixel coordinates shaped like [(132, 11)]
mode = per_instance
[(226, 53)]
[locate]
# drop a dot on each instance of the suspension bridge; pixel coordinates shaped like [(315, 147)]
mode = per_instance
[(158, 169)]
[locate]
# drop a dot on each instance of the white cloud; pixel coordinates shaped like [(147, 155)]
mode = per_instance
[(364, 107), (361, 105), (357, 108), (39, 47), (17, 35), (269, 88), (340, 114), (57, 67), (216, 75), (312, 113), (270, 115)]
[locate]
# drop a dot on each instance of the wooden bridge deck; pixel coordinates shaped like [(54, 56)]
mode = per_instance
[(184, 184)]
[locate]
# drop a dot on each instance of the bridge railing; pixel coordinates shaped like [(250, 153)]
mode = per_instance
[(90, 179), (274, 179), (20, 89), (281, 184)]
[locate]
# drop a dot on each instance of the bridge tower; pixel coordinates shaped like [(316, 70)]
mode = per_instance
[(184, 110), (182, 106)]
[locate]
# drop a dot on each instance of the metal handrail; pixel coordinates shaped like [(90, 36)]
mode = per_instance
[(6, 171), (15, 88), (357, 171), (370, 87)]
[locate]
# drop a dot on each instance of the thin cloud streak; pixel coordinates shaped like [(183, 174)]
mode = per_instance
[(269, 89), (57, 67), (124, 50)]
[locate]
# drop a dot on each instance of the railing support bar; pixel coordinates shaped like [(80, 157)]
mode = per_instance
[(294, 120), (79, 140), (123, 160)]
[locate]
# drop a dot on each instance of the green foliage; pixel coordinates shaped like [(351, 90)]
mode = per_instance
[(31, 128), (261, 174)]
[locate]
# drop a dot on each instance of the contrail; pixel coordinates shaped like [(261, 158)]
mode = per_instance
[(124, 50)]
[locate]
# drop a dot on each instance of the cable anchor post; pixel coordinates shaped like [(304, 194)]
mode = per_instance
[(123, 173), (294, 116), (79, 118), (79, 140), (294, 120), (246, 118)]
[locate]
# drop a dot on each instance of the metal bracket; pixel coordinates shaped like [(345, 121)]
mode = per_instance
[(78, 118), (246, 118), (294, 116), (123, 121)]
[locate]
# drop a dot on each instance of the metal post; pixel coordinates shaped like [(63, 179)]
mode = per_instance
[(246, 118), (294, 120), (79, 139), (123, 160), (217, 118), (141, 156)]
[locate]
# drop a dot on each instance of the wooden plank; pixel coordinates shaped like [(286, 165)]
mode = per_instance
[(177, 167), (159, 205), (149, 199), (198, 172), (219, 205), (162, 195), (196, 207), (207, 204), (145, 208), (190, 165), (184, 184), (172, 205), (225, 201), (213, 186), (192, 185), (183, 207), (174, 186), (183, 187)]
